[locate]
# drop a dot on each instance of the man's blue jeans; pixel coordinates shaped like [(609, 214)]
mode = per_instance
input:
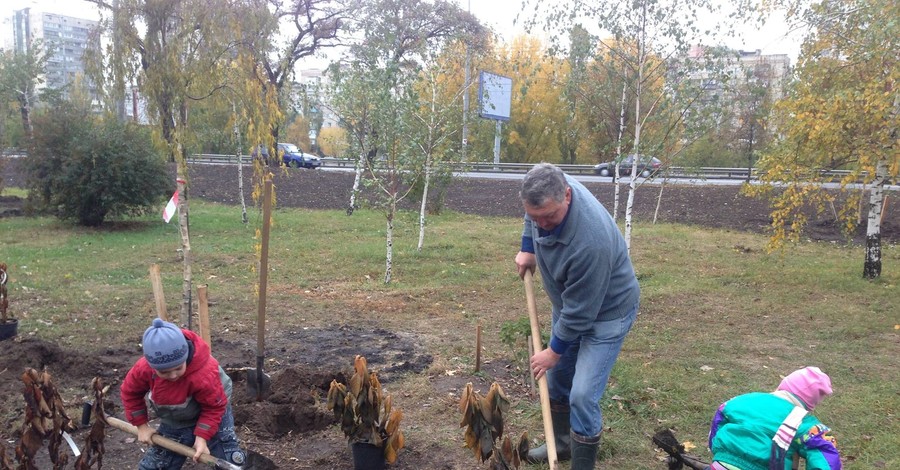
[(223, 445), (579, 378)]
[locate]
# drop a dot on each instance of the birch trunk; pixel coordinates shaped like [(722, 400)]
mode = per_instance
[(642, 42), (659, 200), (240, 165), (615, 213), (422, 208), (389, 243), (184, 226), (872, 265), (428, 154), (25, 110), (354, 193)]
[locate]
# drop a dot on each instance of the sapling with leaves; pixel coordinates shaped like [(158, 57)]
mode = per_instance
[(366, 414), (483, 418)]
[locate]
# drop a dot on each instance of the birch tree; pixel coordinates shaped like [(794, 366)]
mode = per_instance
[(20, 75), (437, 125), (842, 113), (661, 32), (377, 99)]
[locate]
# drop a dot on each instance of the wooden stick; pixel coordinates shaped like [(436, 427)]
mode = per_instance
[(158, 296), (528, 365), (542, 383), (478, 347), (203, 312), (884, 205), (174, 446)]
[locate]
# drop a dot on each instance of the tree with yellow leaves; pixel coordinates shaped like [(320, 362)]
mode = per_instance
[(842, 113)]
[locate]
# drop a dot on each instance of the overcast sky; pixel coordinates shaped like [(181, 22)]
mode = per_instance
[(499, 14)]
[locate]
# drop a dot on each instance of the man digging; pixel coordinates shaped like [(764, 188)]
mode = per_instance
[(594, 293)]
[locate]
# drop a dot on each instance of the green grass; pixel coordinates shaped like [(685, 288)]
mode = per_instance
[(10, 191), (710, 298)]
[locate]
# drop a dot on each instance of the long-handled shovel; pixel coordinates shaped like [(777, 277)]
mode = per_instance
[(174, 446), (542, 383), (258, 383)]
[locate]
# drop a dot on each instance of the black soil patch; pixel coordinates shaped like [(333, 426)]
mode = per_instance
[(11, 206), (71, 372), (292, 406)]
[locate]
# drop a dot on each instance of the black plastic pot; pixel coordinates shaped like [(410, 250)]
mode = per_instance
[(367, 456), (9, 329)]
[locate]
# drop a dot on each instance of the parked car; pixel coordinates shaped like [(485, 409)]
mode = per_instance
[(646, 166), (291, 155), (296, 158)]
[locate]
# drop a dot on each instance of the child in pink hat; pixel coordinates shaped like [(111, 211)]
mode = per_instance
[(764, 431), (808, 384)]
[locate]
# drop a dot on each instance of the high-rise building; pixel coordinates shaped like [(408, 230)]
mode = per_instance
[(312, 96), (742, 66), (67, 36)]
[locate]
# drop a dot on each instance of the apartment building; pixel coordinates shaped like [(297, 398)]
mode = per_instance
[(67, 36)]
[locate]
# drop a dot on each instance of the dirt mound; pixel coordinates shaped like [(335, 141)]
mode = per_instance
[(292, 407), (65, 365)]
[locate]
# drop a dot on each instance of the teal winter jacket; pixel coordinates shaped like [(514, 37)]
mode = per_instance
[(743, 427)]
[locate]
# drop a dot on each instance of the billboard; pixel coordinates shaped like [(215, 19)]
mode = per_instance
[(494, 96)]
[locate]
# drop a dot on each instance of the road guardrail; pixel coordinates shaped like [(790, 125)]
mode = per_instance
[(485, 167)]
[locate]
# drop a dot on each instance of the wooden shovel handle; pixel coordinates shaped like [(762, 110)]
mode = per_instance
[(158, 296), (542, 383), (167, 443)]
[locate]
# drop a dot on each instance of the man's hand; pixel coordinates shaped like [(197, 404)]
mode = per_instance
[(145, 431), (525, 260), (200, 447), (542, 362)]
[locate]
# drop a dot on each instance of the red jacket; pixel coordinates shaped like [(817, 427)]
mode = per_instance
[(196, 399)]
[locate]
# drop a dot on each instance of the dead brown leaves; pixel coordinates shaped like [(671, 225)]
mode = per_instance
[(365, 413), (483, 418), (45, 418), (93, 443)]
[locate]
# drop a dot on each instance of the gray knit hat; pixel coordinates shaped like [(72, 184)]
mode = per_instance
[(164, 345)]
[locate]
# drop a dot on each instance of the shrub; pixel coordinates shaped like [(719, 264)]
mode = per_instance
[(86, 169)]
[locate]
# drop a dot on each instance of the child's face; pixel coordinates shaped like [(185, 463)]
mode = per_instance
[(174, 373)]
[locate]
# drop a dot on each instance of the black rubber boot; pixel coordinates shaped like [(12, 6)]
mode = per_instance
[(584, 451), (559, 415)]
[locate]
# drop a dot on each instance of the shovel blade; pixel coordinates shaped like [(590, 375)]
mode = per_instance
[(259, 385)]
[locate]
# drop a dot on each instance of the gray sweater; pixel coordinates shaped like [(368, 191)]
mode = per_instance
[(585, 268)]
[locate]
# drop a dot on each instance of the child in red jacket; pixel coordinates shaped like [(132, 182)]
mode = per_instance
[(187, 390)]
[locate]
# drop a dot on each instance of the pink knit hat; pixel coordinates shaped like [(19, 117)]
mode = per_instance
[(809, 384)]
